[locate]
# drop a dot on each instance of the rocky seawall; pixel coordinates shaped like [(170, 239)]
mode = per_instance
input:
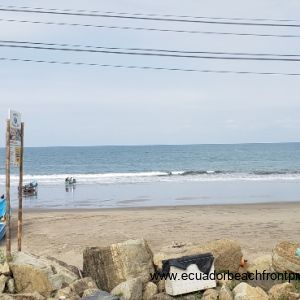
[(125, 271)]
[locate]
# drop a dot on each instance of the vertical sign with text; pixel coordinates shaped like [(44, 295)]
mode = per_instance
[(15, 137)]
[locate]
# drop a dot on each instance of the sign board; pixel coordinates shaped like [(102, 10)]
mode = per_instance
[(15, 137)]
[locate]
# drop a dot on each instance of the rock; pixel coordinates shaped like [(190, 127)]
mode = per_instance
[(66, 293), (80, 285), (6, 297), (4, 269), (161, 286), (3, 280), (210, 294), (225, 280), (11, 286), (293, 296), (68, 273), (225, 293), (36, 274), (70, 268), (90, 292), (227, 254), (279, 291), (162, 296), (284, 258), (150, 290), (109, 266), (131, 289), (27, 296), (244, 291), (194, 296), (260, 264), (101, 295)]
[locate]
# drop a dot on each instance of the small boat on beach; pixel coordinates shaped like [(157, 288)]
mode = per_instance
[(2, 217), (2, 230), (30, 189), (70, 181)]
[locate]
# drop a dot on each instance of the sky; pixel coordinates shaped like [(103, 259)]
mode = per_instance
[(65, 105)]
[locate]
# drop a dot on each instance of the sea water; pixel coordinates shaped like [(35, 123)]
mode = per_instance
[(124, 176)]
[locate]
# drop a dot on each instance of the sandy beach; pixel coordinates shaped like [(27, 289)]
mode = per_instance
[(65, 233)]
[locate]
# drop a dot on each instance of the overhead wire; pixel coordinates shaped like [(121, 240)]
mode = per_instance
[(151, 14), (145, 18), (147, 49), (164, 30), (207, 56), (147, 67)]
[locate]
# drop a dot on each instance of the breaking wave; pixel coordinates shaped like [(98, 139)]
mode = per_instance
[(155, 176)]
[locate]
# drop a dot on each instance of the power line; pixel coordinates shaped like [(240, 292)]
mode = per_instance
[(148, 49), (151, 15), (147, 67), (153, 29), (152, 54), (132, 17)]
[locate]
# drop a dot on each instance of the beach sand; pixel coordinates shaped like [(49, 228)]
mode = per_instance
[(64, 234)]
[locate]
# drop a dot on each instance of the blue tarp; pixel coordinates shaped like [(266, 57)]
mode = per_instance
[(2, 230), (2, 215), (2, 208)]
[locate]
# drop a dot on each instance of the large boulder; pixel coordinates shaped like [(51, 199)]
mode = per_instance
[(90, 292), (281, 291), (260, 264), (131, 289), (36, 274), (227, 254), (80, 285), (225, 293), (27, 296), (69, 268), (293, 296), (150, 290), (284, 257), (210, 294), (66, 293), (109, 266), (162, 296), (244, 291)]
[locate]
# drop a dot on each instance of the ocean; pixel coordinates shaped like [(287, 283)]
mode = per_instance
[(127, 176)]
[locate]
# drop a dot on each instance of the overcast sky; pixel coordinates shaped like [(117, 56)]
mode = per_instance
[(80, 105)]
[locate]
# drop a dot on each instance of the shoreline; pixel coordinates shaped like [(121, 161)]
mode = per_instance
[(157, 207)]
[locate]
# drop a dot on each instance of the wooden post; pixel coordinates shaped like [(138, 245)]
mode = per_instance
[(8, 236), (20, 210)]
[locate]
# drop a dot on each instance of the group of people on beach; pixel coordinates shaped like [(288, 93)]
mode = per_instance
[(70, 180)]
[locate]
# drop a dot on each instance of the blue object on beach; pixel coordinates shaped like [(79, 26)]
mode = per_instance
[(2, 215), (2, 208), (2, 230), (298, 252)]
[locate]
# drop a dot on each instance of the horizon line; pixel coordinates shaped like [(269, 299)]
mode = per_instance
[(153, 145)]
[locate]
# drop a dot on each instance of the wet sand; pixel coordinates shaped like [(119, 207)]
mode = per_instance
[(65, 233)]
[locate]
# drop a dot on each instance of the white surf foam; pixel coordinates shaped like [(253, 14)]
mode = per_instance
[(140, 177)]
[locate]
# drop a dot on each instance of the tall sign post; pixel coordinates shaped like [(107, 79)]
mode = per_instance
[(14, 156), (7, 173), (20, 210)]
